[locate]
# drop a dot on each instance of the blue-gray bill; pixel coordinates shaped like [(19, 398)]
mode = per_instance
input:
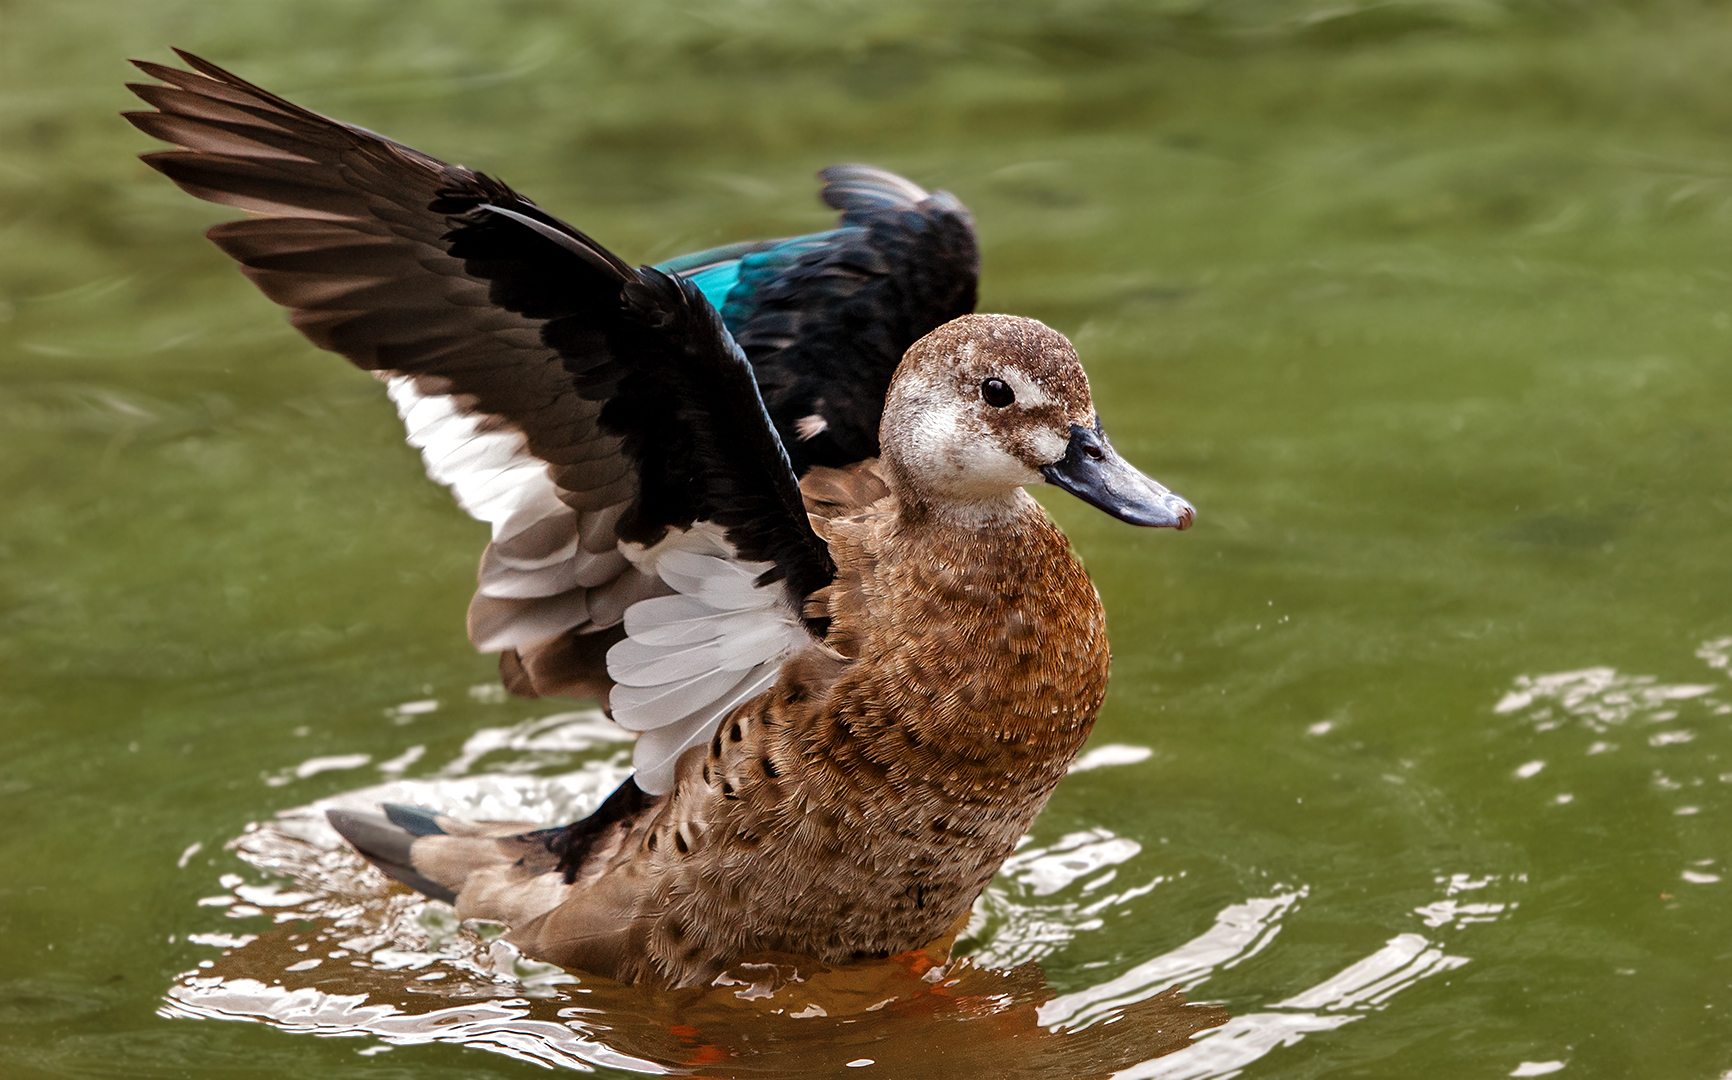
[(1095, 473)]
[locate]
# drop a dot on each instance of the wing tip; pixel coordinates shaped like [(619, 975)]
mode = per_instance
[(209, 70), (852, 186), (201, 69), (154, 69)]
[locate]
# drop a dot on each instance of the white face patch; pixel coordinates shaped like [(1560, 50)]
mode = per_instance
[(959, 454), (1029, 393), (1049, 446), (965, 454), (943, 439)]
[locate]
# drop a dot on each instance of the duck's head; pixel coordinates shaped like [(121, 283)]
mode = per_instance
[(988, 404)]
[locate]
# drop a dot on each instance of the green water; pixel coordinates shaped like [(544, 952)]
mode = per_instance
[(1427, 308)]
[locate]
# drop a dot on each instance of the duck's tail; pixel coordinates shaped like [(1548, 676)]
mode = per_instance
[(497, 870), (512, 873), (388, 842)]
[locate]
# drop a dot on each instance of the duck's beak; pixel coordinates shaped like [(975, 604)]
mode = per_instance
[(1094, 472)]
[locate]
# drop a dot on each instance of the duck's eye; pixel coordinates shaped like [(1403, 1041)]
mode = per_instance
[(997, 393)]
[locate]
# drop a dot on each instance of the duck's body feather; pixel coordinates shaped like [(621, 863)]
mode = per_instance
[(853, 692), (858, 807)]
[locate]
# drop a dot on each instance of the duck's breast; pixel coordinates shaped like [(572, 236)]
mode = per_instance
[(860, 806)]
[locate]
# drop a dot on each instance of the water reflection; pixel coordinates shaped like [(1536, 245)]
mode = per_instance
[(767, 1019), (1642, 723), (331, 948), (349, 955)]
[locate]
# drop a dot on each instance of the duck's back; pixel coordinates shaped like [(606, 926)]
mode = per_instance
[(860, 806)]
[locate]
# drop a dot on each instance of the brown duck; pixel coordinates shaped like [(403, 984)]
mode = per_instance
[(768, 500)]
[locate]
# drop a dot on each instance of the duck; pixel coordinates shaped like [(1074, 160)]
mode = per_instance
[(768, 502)]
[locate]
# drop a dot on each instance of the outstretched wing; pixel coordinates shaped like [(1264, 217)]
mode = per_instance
[(826, 318), (599, 418)]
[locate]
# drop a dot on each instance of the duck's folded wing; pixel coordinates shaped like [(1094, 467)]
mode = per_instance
[(600, 418), (826, 318)]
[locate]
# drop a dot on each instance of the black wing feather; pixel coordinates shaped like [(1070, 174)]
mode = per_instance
[(673, 386), (825, 336), (406, 264)]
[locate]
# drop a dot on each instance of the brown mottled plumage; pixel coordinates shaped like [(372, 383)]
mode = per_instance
[(858, 807), (855, 688)]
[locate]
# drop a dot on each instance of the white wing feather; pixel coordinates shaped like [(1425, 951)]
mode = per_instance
[(491, 473), (659, 750), (545, 557), (690, 659)]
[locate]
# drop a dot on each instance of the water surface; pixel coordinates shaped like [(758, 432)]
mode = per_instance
[(1417, 754)]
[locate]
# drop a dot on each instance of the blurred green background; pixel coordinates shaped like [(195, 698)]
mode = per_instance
[(1426, 306)]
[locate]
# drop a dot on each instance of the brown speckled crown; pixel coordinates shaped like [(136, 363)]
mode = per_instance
[(1043, 352)]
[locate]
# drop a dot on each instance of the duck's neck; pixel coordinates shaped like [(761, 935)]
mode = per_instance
[(916, 506)]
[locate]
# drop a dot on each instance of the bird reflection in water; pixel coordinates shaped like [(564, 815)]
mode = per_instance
[(349, 954)]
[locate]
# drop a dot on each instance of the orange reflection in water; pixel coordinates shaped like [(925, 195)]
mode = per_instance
[(774, 1016), (349, 954)]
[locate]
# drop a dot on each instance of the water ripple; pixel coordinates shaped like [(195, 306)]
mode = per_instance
[(334, 949)]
